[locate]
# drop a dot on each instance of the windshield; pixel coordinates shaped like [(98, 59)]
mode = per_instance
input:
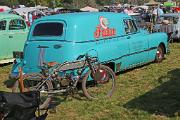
[(48, 29)]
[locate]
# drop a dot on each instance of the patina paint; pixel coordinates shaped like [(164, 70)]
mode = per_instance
[(101, 32)]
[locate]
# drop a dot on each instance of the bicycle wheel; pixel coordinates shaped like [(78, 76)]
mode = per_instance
[(34, 82), (99, 85)]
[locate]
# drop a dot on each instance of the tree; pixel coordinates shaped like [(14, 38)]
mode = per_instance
[(28, 2), (10, 3), (91, 3)]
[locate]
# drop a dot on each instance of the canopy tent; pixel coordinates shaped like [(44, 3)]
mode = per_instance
[(25, 11), (119, 5), (169, 4), (22, 11), (90, 9), (152, 3), (4, 8), (21, 6), (41, 7), (126, 5), (144, 7)]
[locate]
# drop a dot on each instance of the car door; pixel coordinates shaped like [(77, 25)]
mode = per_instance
[(17, 32), (4, 49), (138, 44)]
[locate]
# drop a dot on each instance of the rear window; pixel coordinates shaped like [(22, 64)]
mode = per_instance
[(48, 29)]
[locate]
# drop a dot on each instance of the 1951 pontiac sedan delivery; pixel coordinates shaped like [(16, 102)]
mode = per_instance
[(115, 37), (13, 34)]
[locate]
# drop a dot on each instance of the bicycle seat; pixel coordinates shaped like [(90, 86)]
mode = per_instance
[(51, 64)]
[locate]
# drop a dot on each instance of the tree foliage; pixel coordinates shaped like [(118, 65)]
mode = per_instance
[(67, 3)]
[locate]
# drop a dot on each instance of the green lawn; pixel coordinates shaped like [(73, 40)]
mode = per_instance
[(151, 92)]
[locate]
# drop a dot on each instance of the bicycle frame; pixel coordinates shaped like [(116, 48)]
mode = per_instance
[(79, 66)]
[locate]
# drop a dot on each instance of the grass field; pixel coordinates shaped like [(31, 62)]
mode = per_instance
[(151, 92)]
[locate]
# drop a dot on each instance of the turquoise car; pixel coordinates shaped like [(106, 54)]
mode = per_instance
[(13, 34), (119, 43)]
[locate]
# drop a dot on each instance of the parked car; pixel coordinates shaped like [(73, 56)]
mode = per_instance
[(169, 23), (13, 33), (119, 43)]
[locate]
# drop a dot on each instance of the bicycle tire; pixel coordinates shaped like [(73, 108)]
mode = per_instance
[(44, 103), (110, 83)]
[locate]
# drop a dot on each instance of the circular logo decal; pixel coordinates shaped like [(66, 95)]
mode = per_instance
[(103, 22)]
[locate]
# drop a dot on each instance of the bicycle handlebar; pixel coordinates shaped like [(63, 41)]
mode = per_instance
[(80, 57)]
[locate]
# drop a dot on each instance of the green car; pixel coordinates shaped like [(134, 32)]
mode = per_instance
[(13, 34)]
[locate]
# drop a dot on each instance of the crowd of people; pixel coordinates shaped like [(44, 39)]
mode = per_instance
[(148, 13)]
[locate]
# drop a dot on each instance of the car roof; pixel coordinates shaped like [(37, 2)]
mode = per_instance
[(81, 15), (7, 15), (171, 15), (84, 23)]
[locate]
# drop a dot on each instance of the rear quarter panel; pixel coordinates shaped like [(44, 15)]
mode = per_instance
[(155, 39)]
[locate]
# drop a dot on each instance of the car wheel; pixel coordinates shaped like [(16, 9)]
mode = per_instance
[(159, 54)]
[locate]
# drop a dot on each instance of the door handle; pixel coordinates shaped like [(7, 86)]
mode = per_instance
[(42, 46), (10, 36), (57, 46), (128, 37)]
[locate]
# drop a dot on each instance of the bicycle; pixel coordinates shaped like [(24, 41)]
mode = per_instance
[(64, 78)]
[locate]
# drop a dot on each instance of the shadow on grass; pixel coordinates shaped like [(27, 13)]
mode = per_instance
[(57, 99), (163, 100), (5, 64)]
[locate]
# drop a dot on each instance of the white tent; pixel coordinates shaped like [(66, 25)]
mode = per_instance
[(126, 5), (25, 11), (22, 6), (144, 7), (152, 3), (89, 9), (119, 5), (41, 7), (22, 11)]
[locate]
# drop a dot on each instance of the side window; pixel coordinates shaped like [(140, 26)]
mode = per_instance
[(2, 25), (130, 26), (17, 24)]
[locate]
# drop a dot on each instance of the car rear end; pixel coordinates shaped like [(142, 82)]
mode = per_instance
[(46, 43)]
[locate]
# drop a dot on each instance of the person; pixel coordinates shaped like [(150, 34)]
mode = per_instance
[(126, 11), (30, 18), (34, 16), (164, 10), (147, 16), (130, 11), (157, 12)]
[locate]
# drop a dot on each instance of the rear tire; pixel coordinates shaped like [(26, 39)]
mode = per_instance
[(31, 83), (95, 89), (159, 54)]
